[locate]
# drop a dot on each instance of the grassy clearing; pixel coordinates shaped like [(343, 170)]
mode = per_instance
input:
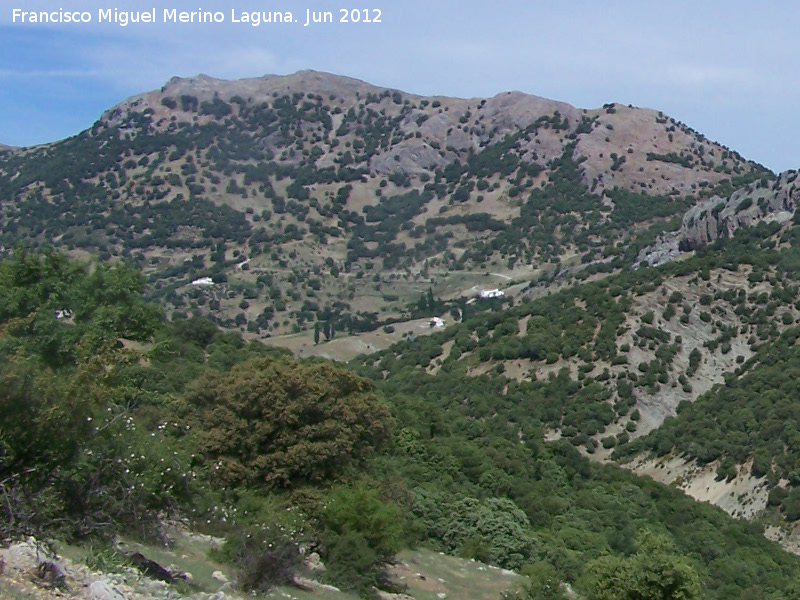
[(428, 574), (425, 574), (188, 553), (9, 590)]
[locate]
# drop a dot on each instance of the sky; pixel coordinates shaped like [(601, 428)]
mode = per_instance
[(730, 70)]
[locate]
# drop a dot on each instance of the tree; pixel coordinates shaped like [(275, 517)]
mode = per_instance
[(655, 572), (494, 530), (279, 422), (362, 535), (43, 420)]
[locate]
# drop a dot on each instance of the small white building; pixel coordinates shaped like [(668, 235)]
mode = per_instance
[(495, 293), (203, 281)]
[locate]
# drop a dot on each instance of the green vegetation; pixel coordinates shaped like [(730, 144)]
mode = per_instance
[(236, 189), (275, 423), (97, 438), (471, 477), (282, 216), (655, 571)]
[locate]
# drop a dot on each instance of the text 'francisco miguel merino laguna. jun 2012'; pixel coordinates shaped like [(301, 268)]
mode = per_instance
[(173, 15)]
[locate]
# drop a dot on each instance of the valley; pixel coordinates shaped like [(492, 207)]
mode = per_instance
[(306, 313)]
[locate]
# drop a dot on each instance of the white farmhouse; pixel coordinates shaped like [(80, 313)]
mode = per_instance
[(203, 281), (436, 322)]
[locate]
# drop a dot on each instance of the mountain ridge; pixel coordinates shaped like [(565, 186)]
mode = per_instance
[(506, 110), (360, 187)]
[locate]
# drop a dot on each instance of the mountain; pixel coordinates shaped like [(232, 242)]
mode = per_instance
[(314, 197), (301, 206)]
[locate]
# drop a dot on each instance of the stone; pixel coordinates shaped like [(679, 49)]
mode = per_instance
[(102, 590), (390, 596), (52, 574), (186, 576), (311, 585), (219, 576), (314, 563), (150, 567)]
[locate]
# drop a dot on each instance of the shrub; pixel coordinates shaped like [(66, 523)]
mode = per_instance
[(362, 534), (264, 557), (279, 422)]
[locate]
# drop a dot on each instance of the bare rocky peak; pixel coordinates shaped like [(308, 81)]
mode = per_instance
[(628, 140), (256, 89), (507, 110), (638, 149), (261, 88), (517, 109)]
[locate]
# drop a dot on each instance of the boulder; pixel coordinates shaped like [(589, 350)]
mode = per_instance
[(219, 576), (103, 590)]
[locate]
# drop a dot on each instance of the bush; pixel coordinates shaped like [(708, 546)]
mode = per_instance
[(655, 571), (279, 422), (790, 506), (494, 530), (362, 534), (264, 558)]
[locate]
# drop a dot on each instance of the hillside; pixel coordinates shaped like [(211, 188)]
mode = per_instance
[(543, 309), (317, 198), (119, 428)]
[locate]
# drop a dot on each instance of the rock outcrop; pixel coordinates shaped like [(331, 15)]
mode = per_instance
[(765, 201)]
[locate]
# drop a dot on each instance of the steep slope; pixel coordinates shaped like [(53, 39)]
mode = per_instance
[(317, 198), (770, 201), (686, 372)]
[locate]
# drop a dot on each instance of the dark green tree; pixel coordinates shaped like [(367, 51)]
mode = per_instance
[(278, 422), (656, 572)]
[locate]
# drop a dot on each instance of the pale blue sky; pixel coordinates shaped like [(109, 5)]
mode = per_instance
[(727, 69)]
